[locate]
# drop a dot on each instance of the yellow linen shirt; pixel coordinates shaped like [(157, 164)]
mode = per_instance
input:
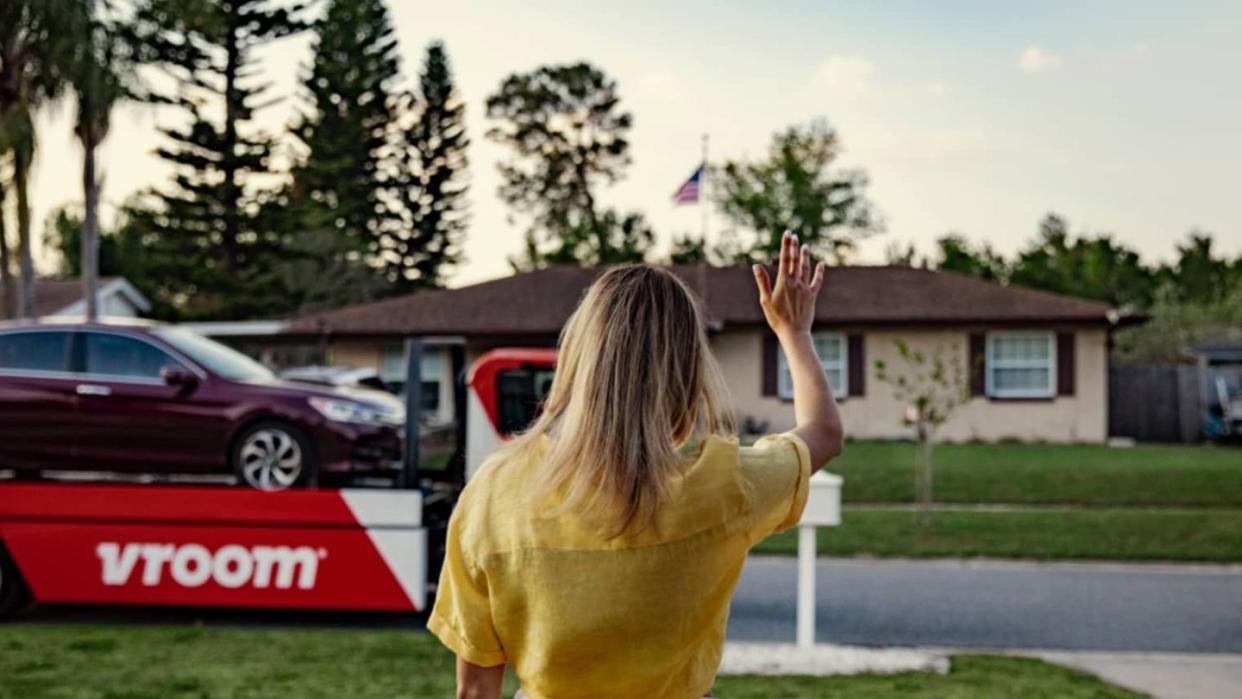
[(639, 616)]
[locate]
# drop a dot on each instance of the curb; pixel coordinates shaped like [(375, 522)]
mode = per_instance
[(825, 659)]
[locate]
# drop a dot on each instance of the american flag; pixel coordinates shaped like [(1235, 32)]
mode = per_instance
[(688, 193)]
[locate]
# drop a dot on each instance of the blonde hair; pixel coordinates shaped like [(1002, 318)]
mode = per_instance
[(635, 380)]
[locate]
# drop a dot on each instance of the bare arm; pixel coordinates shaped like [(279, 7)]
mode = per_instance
[(789, 307), (478, 682)]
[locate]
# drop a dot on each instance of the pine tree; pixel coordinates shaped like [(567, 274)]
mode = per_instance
[(337, 195), (425, 240), (209, 231)]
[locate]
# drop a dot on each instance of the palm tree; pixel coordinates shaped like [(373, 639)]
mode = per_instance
[(98, 87), (37, 42), (8, 291), (19, 137)]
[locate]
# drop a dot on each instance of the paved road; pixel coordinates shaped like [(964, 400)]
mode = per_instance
[(998, 604), (1192, 609)]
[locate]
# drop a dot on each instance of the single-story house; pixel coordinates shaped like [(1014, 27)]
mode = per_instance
[(114, 296), (1036, 363)]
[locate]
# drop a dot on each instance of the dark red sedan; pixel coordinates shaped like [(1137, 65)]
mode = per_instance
[(147, 398)]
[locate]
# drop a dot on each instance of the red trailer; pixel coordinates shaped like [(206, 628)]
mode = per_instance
[(212, 546)]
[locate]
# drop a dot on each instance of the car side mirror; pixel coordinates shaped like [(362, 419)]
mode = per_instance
[(178, 376)]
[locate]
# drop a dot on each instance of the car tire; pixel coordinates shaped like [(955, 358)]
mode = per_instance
[(274, 455), (14, 596)]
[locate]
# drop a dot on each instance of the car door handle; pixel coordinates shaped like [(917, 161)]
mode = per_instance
[(88, 389)]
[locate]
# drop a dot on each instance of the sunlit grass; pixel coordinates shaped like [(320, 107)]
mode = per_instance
[(180, 662), (1114, 534)]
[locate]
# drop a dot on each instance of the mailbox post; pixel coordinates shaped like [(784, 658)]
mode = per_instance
[(823, 509)]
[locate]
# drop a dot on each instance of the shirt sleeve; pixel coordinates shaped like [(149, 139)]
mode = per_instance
[(462, 616), (776, 474)]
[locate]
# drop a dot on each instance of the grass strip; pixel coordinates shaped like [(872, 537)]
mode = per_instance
[(133, 662), (1075, 474), (1117, 534)]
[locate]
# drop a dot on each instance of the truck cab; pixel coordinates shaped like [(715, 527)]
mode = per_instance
[(505, 388)]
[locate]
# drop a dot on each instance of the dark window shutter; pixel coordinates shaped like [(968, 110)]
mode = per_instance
[(1065, 364), (770, 349), (978, 362), (855, 355)]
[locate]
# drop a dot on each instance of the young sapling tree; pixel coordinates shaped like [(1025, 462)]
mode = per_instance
[(930, 386)]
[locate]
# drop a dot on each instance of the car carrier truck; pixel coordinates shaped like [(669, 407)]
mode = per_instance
[(317, 548)]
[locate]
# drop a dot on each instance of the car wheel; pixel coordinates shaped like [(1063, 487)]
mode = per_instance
[(274, 456), (13, 592)]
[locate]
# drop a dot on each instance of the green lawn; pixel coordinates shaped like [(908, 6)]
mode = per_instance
[(159, 662), (1159, 476), (1114, 534)]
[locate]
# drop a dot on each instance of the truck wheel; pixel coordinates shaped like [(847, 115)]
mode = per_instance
[(274, 456), (13, 592)]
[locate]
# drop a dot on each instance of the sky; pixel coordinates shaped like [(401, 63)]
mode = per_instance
[(973, 117)]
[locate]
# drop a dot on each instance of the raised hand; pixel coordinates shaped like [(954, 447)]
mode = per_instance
[(789, 306), (790, 309)]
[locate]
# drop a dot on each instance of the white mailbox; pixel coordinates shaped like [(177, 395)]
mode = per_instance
[(823, 503), (823, 509)]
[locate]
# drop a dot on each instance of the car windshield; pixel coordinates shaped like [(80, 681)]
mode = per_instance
[(219, 359)]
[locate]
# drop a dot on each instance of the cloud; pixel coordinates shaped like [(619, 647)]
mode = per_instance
[(1035, 60)]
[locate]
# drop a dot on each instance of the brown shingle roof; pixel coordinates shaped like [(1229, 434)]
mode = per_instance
[(52, 295), (56, 294), (539, 302)]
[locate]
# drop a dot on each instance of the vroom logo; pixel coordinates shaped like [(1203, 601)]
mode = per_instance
[(192, 565)]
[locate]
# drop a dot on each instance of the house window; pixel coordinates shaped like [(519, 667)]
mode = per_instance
[(392, 364), (831, 350), (1021, 365)]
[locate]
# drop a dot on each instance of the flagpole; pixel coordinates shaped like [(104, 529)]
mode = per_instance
[(703, 199)]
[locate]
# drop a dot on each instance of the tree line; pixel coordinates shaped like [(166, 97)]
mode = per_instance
[(1194, 299), (568, 140), (373, 200)]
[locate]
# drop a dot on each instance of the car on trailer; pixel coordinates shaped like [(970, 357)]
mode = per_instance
[(139, 397), (340, 375)]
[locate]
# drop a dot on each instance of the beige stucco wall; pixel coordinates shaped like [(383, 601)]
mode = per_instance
[(355, 353), (1082, 417)]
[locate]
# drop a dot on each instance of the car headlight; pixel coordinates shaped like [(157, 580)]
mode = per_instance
[(348, 411)]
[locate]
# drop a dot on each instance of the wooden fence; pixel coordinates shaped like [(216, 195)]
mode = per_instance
[(1156, 403)]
